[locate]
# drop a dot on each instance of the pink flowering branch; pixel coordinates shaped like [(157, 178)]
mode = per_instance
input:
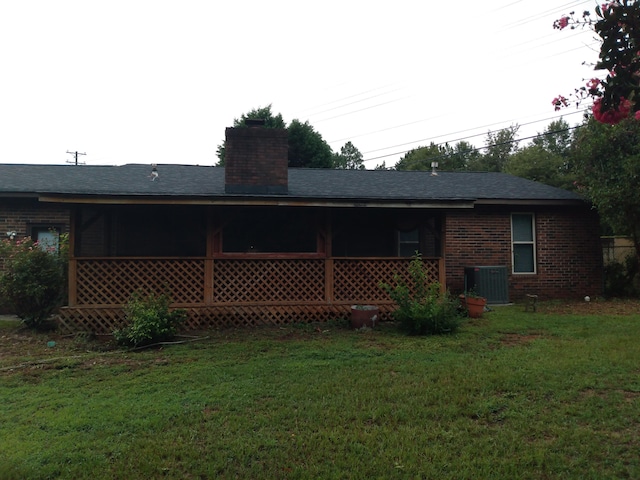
[(618, 26)]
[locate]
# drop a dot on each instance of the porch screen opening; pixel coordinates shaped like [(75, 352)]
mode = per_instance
[(272, 231), (523, 239)]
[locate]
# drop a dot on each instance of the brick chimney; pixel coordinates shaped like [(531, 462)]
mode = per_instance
[(256, 160)]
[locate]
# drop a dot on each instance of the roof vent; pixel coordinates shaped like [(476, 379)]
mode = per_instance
[(434, 165)]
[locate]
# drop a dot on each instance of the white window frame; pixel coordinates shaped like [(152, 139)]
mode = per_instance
[(531, 242)]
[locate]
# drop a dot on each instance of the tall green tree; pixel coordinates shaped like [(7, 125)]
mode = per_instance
[(307, 148), (499, 146), (534, 162), (349, 158), (606, 162), (420, 158), (556, 138), (461, 157), (546, 159)]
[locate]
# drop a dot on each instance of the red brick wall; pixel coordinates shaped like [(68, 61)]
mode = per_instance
[(256, 160), (568, 250), (17, 215)]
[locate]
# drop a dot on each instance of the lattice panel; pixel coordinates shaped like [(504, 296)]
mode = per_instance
[(112, 281), (247, 281), (358, 280), (89, 319), (105, 320)]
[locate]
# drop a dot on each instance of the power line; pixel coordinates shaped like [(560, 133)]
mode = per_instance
[(475, 149), (461, 138)]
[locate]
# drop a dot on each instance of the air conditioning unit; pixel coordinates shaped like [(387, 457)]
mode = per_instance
[(489, 282)]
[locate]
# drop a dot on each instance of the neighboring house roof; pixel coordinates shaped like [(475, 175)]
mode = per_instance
[(322, 185)]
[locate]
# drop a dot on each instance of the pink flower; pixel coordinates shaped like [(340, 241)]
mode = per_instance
[(593, 84), (611, 116), (637, 115), (559, 102), (561, 23)]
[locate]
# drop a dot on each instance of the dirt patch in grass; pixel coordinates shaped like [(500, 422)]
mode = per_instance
[(516, 339)]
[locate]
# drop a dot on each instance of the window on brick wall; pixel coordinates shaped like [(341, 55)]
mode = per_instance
[(523, 245), (48, 237)]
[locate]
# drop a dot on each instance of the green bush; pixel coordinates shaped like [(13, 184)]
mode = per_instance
[(622, 279), (33, 280), (149, 320), (423, 309)]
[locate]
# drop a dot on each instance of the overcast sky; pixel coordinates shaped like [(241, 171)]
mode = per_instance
[(157, 81)]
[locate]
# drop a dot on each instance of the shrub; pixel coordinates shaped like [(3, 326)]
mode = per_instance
[(622, 279), (149, 320), (33, 280), (422, 308)]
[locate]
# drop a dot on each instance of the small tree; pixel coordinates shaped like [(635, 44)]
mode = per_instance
[(423, 309), (149, 320), (33, 279)]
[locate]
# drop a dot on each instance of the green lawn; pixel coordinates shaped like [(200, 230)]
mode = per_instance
[(514, 395)]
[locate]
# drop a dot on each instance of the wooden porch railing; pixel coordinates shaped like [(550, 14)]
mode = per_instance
[(232, 291)]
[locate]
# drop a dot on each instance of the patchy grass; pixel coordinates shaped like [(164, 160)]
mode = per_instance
[(553, 394)]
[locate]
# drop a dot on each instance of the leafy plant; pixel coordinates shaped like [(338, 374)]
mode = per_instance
[(423, 308), (33, 279), (149, 320), (622, 279)]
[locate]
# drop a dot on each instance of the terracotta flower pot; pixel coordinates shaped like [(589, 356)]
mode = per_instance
[(364, 316), (474, 305)]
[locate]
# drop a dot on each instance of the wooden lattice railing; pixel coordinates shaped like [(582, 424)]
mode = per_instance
[(243, 291), (263, 280), (112, 281)]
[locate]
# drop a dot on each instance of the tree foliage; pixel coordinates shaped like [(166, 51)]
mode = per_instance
[(456, 158), (349, 158), (546, 159), (33, 278), (498, 147), (615, 97), (307, 148), (606, 162)]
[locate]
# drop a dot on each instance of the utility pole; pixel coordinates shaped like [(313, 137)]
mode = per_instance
[(75, 154)]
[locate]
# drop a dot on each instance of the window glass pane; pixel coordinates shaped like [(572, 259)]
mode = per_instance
[(523, 258), (48, 240), (522, 228), (410, 236)]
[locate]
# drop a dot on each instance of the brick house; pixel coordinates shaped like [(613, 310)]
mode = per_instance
[(255, 242)]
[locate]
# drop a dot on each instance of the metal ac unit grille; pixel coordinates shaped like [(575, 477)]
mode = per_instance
[(490, 282)]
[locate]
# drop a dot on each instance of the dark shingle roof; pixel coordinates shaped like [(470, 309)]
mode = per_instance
[(320, 184)]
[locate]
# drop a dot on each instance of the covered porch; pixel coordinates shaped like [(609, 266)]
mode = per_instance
[(237, 266)]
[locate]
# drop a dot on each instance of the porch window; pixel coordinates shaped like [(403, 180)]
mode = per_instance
[(523, 243), (408, 242)]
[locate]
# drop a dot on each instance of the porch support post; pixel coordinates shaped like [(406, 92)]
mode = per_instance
[(208, 261), (72, 267), (328, 280), (442, 268), (328, 263)]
